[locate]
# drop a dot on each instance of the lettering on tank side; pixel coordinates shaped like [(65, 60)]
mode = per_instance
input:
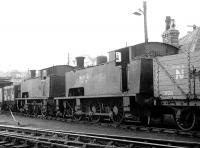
[(82, 79)]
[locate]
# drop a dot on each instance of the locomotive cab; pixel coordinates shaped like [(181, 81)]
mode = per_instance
[(136, 63), (122, 59)]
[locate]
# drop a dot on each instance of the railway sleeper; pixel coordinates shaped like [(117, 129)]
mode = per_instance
[(88, 141)]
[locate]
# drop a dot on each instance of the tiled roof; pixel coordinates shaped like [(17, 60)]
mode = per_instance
[(190, 41)]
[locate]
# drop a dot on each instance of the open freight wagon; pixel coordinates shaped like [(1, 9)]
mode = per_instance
[(177, 86)]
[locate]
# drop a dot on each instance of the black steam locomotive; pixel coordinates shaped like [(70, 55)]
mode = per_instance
[(139, 82)]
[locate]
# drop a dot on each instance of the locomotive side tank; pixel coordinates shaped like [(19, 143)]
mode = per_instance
[(93, 81), (50, 83), (34, 87), (106, 79), (51, 86)]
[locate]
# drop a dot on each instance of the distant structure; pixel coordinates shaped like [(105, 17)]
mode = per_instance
[(5, 81), (170, 35)]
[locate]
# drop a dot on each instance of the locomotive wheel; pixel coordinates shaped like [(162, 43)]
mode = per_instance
[(30, 109), (25, 109), (77, 117), (117, 113), (185, 120), (34, 108), (68, 110), (43, 110), (67, 113), (145, 120), (95, 108)]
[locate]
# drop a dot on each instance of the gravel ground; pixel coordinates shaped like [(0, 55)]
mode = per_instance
[(6, 119)]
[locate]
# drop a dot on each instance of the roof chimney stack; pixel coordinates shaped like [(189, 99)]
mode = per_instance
[(80, 62), (170, 35), (167, 22)]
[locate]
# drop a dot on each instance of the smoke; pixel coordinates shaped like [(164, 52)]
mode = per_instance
[(89, 60)]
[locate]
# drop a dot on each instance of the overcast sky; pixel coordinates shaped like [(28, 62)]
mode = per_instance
[(35, 34)]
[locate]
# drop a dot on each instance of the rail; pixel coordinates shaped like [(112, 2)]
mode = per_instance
[(31, 137)]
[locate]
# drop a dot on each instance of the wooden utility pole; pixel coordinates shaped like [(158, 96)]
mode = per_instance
[(145, 21), (144, 12)]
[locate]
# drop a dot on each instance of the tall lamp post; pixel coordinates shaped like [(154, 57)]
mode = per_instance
[(144, 12)]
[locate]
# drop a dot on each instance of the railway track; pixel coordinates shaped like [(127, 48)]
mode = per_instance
[(169, 131), (21, 137)]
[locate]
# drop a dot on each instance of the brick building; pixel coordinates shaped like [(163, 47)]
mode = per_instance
[(170, 35)]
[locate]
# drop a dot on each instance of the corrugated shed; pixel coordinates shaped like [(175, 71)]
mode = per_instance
[(191, 41)]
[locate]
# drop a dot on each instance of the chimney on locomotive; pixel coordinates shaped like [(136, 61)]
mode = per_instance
[(101, 60), (80, 62)]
